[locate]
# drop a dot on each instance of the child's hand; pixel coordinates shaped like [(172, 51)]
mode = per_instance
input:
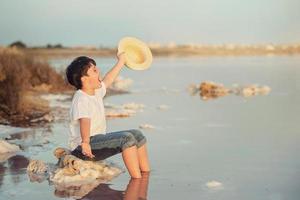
[(121, 58), (86, 150)]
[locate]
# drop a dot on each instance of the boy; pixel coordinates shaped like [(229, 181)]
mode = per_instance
[(88, 138)]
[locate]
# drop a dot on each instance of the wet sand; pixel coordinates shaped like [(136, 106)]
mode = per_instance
[(249, 145)]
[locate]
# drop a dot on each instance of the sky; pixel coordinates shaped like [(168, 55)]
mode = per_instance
[(105, 22)]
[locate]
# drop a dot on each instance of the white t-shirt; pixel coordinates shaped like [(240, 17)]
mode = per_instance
[(87, 106)]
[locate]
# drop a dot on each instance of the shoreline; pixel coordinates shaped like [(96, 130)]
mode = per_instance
[(165, 51)]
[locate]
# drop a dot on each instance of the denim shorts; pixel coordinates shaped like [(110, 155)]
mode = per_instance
[(109, 144)]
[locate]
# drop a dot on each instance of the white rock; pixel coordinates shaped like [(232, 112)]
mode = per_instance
[(253, 90), (4, 157), (88, 172), (133, 106), (247, 92), (117, 113), (48, 118), (125, 110), (6, 147), (214, 184), (146, 126), (265, 90), (37, 166)]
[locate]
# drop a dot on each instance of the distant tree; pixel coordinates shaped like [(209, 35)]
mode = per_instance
[(58, 46), (18, 44), (50, 46)]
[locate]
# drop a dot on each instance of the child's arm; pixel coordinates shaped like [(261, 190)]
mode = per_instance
[(85, 124), (113, 73)]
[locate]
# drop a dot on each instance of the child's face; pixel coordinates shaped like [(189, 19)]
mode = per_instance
[(93, 78)]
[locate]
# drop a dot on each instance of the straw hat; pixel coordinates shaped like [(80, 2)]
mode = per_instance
[(137, 53)]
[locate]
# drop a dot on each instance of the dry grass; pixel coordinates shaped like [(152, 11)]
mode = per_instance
[(21, 76)]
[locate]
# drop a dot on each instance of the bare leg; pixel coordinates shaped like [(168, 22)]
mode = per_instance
[(143, 158), (131, 160)]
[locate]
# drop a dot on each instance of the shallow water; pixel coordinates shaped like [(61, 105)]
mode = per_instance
[(249, 145)]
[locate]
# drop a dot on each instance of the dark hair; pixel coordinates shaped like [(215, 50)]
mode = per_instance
[(78, 68)]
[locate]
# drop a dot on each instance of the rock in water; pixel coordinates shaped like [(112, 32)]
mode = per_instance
[(146, 126), (6, 147), (37, 166), (78, 172), (264, 90), (214, 184), (71, 171), (211, 90), (60, 152), (133, 106), (112, 113)]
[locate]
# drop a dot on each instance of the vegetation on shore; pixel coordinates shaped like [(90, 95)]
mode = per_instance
[(172, 49), (22, 79)]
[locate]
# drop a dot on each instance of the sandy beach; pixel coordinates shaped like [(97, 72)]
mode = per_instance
[(231, 147)]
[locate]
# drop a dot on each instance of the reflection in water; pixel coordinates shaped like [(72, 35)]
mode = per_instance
[(2, 172), (16, 164), (23, 135), (32, 140), (136, 190)]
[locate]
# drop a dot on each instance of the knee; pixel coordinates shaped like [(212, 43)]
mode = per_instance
[(128, 140), (137, 134), (140, 138)]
